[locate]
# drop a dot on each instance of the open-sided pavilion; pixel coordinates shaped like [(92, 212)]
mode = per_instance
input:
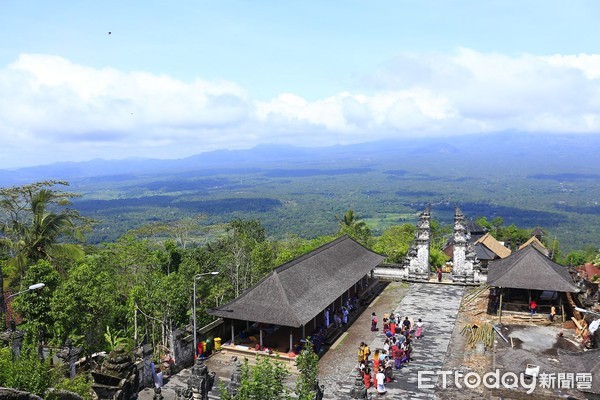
[(528, 273), (296, 295)]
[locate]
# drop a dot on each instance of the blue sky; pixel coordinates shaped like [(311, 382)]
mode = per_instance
[(176, 78)]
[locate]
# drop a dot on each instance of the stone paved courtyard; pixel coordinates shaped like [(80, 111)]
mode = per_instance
[(437, 305)]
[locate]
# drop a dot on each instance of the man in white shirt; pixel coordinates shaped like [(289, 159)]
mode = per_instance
[(380, 378)]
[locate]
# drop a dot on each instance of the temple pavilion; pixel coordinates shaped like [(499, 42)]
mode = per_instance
[(292, 301), (529, 274)]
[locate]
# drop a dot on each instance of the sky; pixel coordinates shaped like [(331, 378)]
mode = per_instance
[(168, 79)]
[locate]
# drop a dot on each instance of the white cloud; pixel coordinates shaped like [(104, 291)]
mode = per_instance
[(589, 64), (53, 109)]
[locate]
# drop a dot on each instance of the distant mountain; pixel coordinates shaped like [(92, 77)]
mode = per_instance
[(506, 151)]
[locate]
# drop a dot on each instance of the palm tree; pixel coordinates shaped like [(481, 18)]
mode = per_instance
[(355, 228), (36, 223)]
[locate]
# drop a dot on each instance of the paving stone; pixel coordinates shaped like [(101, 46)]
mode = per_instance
[(437, 306)]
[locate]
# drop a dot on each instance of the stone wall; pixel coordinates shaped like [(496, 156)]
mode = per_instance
[(391, 272), (12, 394)]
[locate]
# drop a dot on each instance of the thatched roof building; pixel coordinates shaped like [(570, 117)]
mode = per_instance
[(529, 269), (297, 291), (493, 246), (535, 242)]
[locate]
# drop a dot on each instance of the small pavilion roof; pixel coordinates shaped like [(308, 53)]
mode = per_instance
[(530, 269), (483, 253), (538, 232), (295, 292), (491, 243), (474, 228), (534, 241)]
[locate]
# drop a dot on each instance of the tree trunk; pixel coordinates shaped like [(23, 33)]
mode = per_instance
[(2, 302)]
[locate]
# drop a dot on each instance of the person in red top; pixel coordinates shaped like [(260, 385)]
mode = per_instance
[(367, 377), (532, 307)]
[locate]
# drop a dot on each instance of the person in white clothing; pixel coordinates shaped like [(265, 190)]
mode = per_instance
[(419, 330), (380, 378)]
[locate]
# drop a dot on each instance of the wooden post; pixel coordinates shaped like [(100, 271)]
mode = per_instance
[(232, 334), (303, 332), (562, 308), (261, 341), (315, 322), (500, 307), (291, 339)]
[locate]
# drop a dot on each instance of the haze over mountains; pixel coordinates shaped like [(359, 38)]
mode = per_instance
[(576, 154), (530, 180)]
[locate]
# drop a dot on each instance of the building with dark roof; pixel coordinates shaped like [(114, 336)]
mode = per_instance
[(538, 233), (475, 231), (528, 274), (297, 293)]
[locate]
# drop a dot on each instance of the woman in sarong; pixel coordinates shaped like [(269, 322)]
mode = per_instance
[(373, 322), (367, 377), (398, 356), (419, 330)]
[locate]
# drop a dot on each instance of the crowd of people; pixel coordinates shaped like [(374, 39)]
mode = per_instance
[(377, 368)]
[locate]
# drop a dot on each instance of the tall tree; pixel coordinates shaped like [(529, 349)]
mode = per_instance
[(352, 226), (238, 245), (36, 222), (86, 303), (308, 365), (395, 241), (34, 306)]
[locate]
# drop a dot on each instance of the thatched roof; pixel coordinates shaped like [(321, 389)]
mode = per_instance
[(474, 228), (483, 253), (297, 291), (530, 269), (534, 241), (491, 243), (538, 232)]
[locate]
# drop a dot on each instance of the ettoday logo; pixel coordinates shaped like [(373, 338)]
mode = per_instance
[(472, 380), (507, 380)]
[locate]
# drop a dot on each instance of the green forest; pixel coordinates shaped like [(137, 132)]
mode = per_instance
[(138, 287)]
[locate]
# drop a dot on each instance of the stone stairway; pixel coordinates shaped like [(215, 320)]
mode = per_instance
[(437, 306)]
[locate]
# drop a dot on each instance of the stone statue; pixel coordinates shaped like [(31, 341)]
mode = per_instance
[(201, 381), (236, 379), (157, 394), (118, 377), (359, 391), (320, 391), (70, 355), (178, 394), (188, 393)]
